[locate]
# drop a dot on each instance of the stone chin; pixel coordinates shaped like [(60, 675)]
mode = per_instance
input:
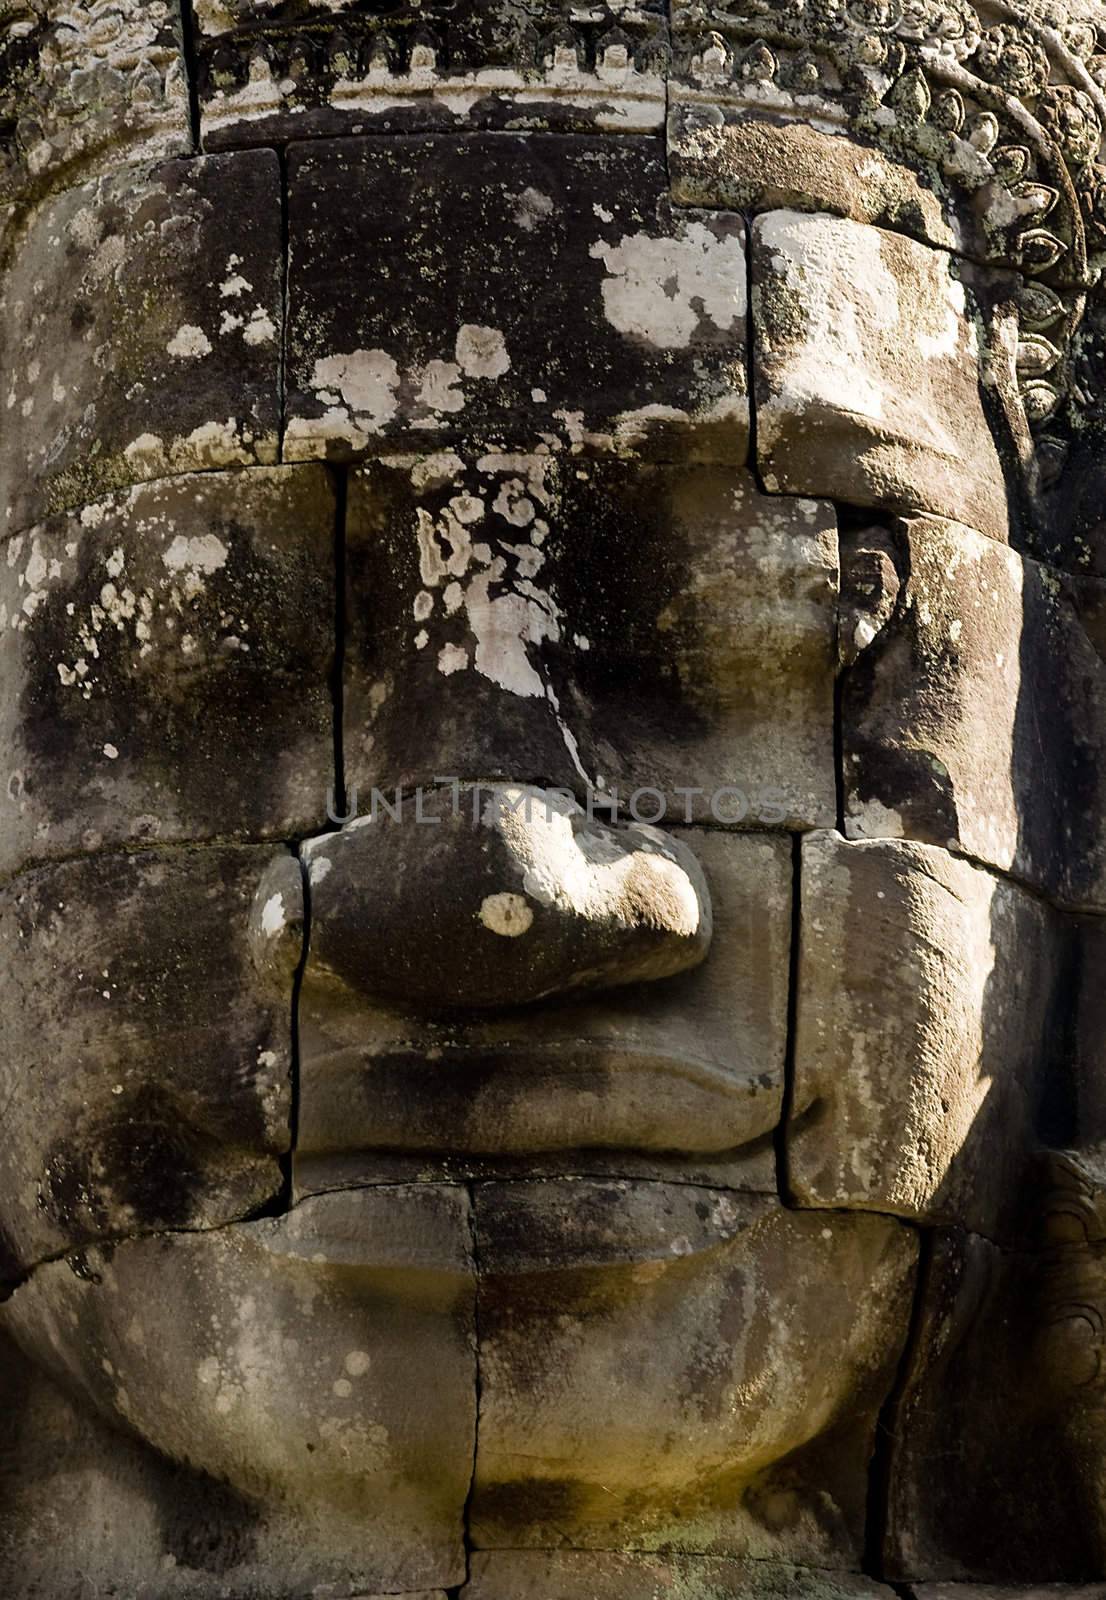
[(654, 1364)]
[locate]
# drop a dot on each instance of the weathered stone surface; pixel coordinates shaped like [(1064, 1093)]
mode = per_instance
[(314, 1373), (144, 1073), (605, 1575), (85, 85), (617, 324), (145, 638), (415, 66), (975, 713), (706, 1376), (682, 1077), (1004, 1389), (988, 1591), (140, 332), (873, 360), (733, 158), (930, 1006), (600, 625)]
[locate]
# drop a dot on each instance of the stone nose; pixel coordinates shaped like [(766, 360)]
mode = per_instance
[(498, 895)]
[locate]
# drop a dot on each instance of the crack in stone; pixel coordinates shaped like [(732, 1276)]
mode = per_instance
[(288, 1162), (478, 1387), (783, 1127), (881, 1464), (190, 62), (341, 624), (281, 153)]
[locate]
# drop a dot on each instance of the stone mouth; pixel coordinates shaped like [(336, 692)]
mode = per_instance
[(475, 1109)]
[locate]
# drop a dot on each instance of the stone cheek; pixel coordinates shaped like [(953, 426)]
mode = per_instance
[(666, 1336), (973, 710), (930, 1010), (510, 292), (318, 1368), (144, 1068), (149, 636), (597, 623), (139, 332), (872, 360)]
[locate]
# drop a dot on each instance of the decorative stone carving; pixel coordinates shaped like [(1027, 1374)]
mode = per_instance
[(551, 879), (84, 82), (269, 70)]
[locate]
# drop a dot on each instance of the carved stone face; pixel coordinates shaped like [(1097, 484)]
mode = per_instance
[(525, 891)]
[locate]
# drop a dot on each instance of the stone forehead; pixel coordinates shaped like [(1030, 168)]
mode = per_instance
[(978, 125), (998, 106)]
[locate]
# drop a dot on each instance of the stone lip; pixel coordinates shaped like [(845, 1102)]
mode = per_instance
[(518, 1100), (661, 1073)]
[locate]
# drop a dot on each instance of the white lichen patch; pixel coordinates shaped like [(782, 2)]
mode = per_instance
[(492, 584), (871, 819), (452, 658), (438, 390), (366, 382), (481, 352), (213, 444), (944, 318), (840, 288), (260, 329), (506, 914), (189, 343), (533, 208), (662, 290), (203, 553), (272, 915)]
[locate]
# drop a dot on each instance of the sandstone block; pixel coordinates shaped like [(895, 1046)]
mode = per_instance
[(929, 1023), (618, 324), (975, 713), (606, 1575), (316, 1371), (731, 157), (613, 626), (140, 332), (871, 371), (681, 1075), (668, 1366), (149, 636), (144, 1070)]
